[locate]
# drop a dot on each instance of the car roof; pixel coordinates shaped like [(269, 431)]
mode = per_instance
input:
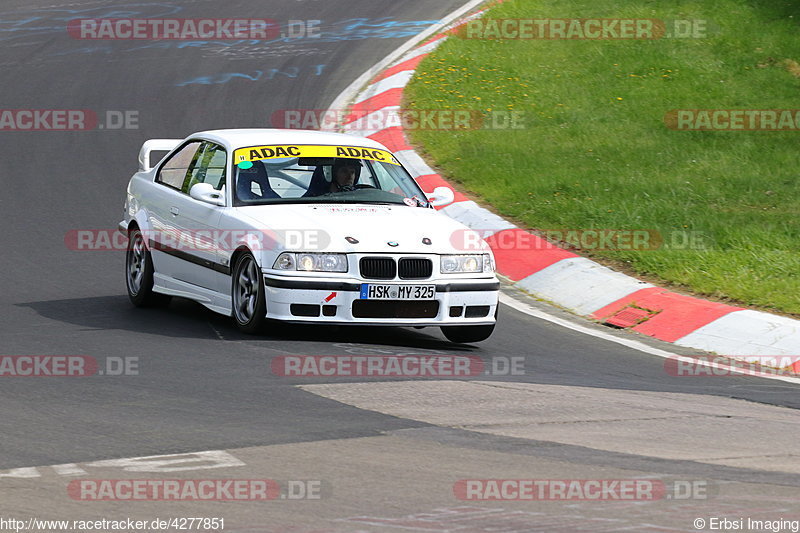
[(240, 138)]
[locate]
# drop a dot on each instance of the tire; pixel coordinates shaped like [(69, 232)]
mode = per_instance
[(139, 273), (247, 295), (467, 334)]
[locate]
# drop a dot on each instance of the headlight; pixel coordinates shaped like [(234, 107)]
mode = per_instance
[(458, 264), (488, 263), (284, 262), (311, 262)]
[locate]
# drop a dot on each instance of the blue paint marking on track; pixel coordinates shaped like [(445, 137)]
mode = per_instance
[(28, 27), (16, 25), (258, 75), (344, 30)]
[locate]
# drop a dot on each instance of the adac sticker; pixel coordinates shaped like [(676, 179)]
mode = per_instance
[(256, 153)]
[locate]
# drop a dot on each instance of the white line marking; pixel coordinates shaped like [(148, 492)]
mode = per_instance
[(216, 331), (176, 462), (419, 51), (69, 469), (25, 472), (630, 343)]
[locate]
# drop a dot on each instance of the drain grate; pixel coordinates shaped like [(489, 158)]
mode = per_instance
[(629, 316)]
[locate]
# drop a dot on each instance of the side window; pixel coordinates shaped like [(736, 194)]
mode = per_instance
[(174, 172), (209, 167)]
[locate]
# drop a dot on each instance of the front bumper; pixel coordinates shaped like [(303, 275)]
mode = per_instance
[(458, 302)]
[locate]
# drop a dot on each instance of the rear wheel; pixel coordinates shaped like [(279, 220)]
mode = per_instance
[(139, 273), (247, 288)]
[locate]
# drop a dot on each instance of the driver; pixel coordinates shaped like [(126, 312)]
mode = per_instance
[(345, 174)]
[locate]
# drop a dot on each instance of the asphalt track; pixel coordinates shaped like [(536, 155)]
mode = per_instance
[(201, 384)]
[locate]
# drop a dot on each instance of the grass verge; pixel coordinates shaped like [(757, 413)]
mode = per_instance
[(595, 151)]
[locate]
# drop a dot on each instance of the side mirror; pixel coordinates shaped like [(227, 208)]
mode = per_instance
[(441, 196), (205, 192)]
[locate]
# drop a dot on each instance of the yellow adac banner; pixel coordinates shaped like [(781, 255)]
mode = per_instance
[(256, 153)]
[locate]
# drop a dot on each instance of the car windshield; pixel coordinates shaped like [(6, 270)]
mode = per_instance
[(264, 175)]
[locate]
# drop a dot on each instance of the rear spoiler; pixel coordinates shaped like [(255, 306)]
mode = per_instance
[(157, 145)]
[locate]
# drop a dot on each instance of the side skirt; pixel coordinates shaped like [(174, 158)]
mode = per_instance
[(217, 302)]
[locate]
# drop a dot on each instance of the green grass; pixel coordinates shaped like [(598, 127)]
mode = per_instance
[(595, 151)]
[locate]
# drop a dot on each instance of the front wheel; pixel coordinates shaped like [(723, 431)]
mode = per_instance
[(139, 273), (249, 302), (467, 334)]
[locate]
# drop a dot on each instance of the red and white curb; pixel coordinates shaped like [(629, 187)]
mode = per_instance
[(546, 271)]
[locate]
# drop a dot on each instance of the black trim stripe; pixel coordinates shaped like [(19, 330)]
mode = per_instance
[(469, 287), (313, 285), (356, 287), (180, 254)]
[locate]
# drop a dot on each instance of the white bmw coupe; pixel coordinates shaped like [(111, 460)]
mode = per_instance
[(301, 226)]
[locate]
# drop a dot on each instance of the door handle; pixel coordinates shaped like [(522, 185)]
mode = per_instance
[(174, 210)]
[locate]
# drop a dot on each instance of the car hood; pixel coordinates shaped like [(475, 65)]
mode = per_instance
[(373, 226)]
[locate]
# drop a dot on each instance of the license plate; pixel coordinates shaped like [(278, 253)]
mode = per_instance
[(374, 291)]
